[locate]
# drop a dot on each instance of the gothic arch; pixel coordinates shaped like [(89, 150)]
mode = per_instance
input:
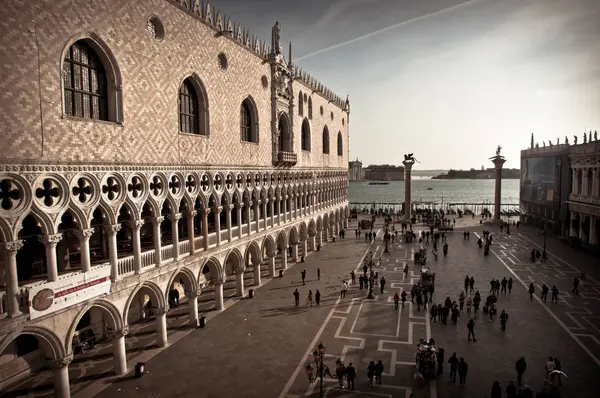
[(203, 102), (215, 268), (284, 131), (48, 340), (156, 294), (293, 235), (189, 276), (42, 219), (268, 245), (111, 67), (303, 231), (319, 223), (238, 266), (254, 121), (252, 252), (116, 321)]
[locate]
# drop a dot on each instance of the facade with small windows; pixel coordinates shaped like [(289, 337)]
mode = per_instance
[(149, 148)]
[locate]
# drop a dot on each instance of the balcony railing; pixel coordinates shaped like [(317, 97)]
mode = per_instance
[(166, 253), (584, 199), (148, 259), (126, 265), (286, 158)]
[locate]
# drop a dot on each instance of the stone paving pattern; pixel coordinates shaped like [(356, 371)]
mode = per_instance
[(254, 346)]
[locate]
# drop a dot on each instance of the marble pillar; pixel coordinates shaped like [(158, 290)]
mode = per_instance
[(192, 298), (60, 370), (111, 231), (119, 350), (161, 326), (219, 304), (10, 250), (498, 163), (84, 236), (407, 190), (50, 242)]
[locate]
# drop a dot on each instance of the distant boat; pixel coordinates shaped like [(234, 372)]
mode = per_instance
[(379, 183), (430, 189)]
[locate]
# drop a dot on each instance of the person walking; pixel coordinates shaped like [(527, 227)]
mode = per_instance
[(521, 366), (463, 369), (472, 284), (303, 273), (405, 271), (296, 298), (378, 371), (371, 372), (545, 290), (440, 361), (469, 304), (461, 300), (433, 313), (467, 281), (531, 291), (510, 285), (576, 286), (340, 372), (503, 319), (396, 300), (318, 274), (403, 297), (317, 298), (453, 361), (471, 327), (496, 390), (382, 283), (554, 294), (350, 375), (309, 298), (343, 289)]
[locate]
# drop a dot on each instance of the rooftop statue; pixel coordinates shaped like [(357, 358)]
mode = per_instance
[(409, 158), (574, 140), (277, 38), (498, 150)]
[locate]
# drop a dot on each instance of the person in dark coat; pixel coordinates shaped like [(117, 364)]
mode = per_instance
[(440, 361), (453, 361), (371, 372), (350, 375), (521, 366), (511, 390), (378, 371), (463, 369), (496, 390), (531, 291)]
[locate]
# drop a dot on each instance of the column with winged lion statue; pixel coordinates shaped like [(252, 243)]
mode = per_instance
[(499, 161), (408, 162)]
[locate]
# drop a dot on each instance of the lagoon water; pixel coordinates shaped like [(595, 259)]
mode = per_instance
[(443, 191)]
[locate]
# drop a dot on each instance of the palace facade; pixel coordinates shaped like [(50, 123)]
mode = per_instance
[(150, 147)]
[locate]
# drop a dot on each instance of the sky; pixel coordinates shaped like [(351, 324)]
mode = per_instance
[(447, 80)]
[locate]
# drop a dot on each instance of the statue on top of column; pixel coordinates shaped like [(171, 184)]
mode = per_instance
[(595, 135), (409, 158), (574, 140), (498, 150), (277, 38), (585, 138)]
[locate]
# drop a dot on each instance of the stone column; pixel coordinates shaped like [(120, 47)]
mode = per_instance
[(238, 208), (174, 218), (264, 215), (584, 182), (111, 233), (595, 187), (205, 213), (60, 370), (498, 163), (84, 236), (304, 247), (219, 305), (581, 229), (119, 350), (272, 208), (284, 210), (190, 230), (408, 189), (574, 181), (192, 298), (572, 231), (279, 211), (272, 264), (156, 221), (294, 252), (161, 326), (248, 208), (284, 261), (239, 282), (228, 222), (313, 243), (257, 274), (10, 250), (217, 210), (50, 242), (593, 239), (319, 238), (326, 233), (257, 215), (136, 225)]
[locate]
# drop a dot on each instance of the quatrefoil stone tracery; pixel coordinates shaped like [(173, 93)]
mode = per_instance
[(218, 182), (48, 193), (10, 194), (240, 181), (229, 181), (205, 183), (82, 190), (175, 185), (190, 183), (111, 189), (156, 186), (135, 187)]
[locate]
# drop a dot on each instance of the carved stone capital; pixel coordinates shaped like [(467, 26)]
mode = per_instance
[(192, 213), (158, 220), (111, 229), (51, 239), (60, 362), (174, 216), (258, 202), (217, 210), (136, 224), (231, 207), (219, 281), (12, 247), (266, 201), (192, 295), (205, 212), (84, 233), (239, 205), (116, 333), (250, 203), (161, 311)]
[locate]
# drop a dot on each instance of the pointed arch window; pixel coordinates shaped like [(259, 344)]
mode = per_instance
[(326, 140), (305, 135), (284, 135), (189, 109), (248, 122), (85, 83), (340, 144), (300, 104)]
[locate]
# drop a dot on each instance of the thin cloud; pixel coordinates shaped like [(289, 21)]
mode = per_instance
[(379, 31)]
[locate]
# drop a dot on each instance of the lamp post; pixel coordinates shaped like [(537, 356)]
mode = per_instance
[(318, 356)]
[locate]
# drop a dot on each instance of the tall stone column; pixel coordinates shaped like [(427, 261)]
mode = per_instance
[(284, 259), (119, 351), (192, 298), (593, 239), (229, 208), (10, 250), (60, 370), (175, 217), (248, 208), (156, 221), (239, 282), (219, 304), (304, 247), (279, 211), (111, 232), (572, 231), (408, 164), (272, 208), (284, 209), (574, 181), (161, 326), (582, 232), (313, 244), (271, 264), (319, 238), (190, 230), (84, 236), (50, 242), (498, 163), (238, 208), (257, 215), (217, 210), (205, 213), (257, 274), (136, 225), (294, 252)]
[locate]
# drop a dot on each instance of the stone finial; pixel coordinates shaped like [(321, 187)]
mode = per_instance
[(256, 45), (219, 21), (239, 36), (208, 18), (290, 60), (229, 26)]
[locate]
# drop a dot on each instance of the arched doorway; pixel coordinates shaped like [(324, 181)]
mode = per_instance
[(252, 262), (284, 133), (147, 304)]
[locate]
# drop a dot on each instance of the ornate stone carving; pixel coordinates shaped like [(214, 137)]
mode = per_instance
[(161, 311), (192, 213), (192, 295), (219, 281), (158, 220), (84, 233), (217, 210), (136, 224), (60, 362), (12, 247), (239, 205), (51, 239), (174, 216), (116, 333), (205, 212), (111, 229)]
